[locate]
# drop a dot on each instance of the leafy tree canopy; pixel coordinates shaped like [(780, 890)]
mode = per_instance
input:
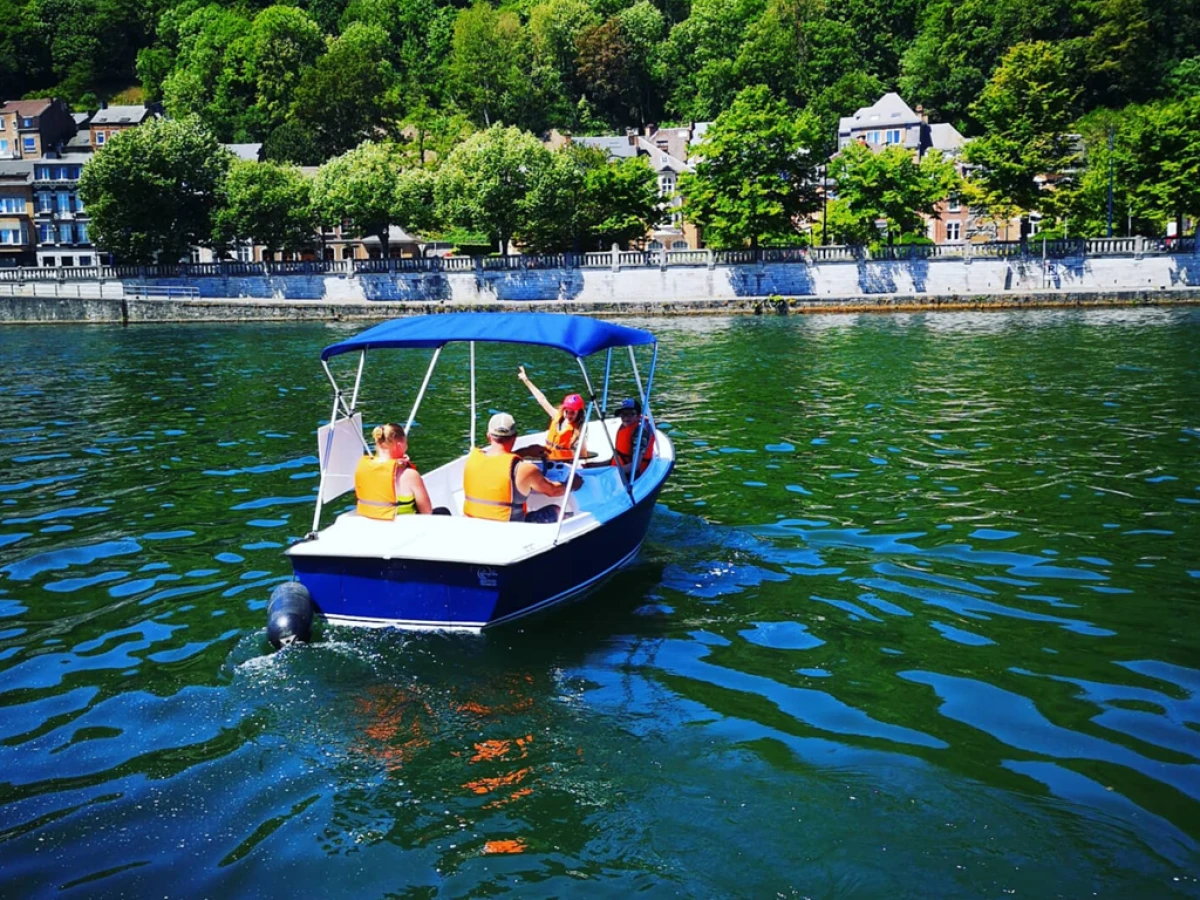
[(151, 191)]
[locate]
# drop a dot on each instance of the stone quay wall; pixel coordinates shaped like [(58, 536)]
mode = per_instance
[(628, 283)]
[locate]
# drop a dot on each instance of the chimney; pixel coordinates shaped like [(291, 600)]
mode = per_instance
[(921, 114)]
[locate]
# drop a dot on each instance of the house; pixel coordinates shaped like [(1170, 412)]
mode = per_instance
[(16, 213), (59, 217), (112, 119), (667, 150), (890, 122), (32, 129)]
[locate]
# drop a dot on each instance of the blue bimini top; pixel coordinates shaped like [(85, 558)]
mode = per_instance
[(578, 335)]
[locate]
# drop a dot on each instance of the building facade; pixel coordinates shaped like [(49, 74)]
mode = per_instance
[(16, 214), (33, 129), (59, 216)]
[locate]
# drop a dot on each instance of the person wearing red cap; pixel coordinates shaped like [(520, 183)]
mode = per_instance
[(565, 431)]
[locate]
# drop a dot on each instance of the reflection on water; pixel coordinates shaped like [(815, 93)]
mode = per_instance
[(917, 616)]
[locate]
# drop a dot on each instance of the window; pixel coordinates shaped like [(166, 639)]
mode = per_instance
[(45, 203), (78, 203), (85, 260), (245, 252), (194, 256), (99, 138), (954, 231), (12, 205), (954, 204), (872, 137), (893, 136), (82, 231), (679, 245), (46, 234), (11, 236), (48, 261), (347, 253), (65, 234), (3, 145), (64, 203), (2, 125), (27, 122), (41, 173), (68, 260), (29, 144), (654, 245)]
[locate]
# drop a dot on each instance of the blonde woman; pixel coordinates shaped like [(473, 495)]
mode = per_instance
[(386, 484)]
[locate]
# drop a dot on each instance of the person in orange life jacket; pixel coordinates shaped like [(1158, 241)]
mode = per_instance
[(497, 482), (387, 484), (626, 443), (566, 423)]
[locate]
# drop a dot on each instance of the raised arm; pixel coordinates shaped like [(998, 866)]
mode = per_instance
[(550, 409)]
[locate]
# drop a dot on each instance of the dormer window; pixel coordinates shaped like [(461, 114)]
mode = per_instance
[(27, 123)]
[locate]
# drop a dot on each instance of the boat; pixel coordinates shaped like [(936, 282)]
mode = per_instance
[(453, 572)]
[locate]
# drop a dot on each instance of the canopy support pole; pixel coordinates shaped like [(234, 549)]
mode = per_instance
[(607, 370), (472, 395), (362, 359), (412, 415), (600, 412), (562, 510), (646, 414), (337, 399)]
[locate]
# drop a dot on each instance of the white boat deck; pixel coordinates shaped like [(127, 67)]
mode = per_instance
[(457, 538)]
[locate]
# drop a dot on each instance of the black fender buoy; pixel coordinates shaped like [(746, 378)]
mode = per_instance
[(289, 614)]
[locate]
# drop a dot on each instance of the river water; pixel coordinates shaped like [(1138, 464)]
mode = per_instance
[(918, 615)]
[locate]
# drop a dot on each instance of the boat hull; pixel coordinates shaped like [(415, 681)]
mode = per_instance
[(428, 594)]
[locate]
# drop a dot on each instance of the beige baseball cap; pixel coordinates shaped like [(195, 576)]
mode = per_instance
[(502, 425)]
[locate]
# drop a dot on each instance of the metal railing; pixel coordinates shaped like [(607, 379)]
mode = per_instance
[(622, 259)]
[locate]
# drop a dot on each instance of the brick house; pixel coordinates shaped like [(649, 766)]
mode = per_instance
[(33, 129), (112, 119)]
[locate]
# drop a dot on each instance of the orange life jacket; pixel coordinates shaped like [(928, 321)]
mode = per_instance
[(490, 487), (624, 445), (561, 438), (375, 489)]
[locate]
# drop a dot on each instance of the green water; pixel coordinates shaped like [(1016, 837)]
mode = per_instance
[(918, 615)]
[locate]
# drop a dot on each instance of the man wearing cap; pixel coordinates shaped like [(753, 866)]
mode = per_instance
[(566, 422), (626, 444), (497, 482)]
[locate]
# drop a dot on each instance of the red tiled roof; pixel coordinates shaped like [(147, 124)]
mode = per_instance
[(27, 107)]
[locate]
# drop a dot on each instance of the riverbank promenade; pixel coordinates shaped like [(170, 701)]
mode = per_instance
[(1112, 271)]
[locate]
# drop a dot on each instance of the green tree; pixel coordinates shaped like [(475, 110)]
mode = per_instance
[(485, 183), (890, 185), (282, 44), (151, 191), (699, 56), (1160, 150), (268, 204), (584, 201), (368, 191), (350, 95), (1026, 111), (489, 71), (202, 83), (961, 42), (755, 176)]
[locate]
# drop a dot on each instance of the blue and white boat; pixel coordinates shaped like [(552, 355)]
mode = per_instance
[(459, 573)]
